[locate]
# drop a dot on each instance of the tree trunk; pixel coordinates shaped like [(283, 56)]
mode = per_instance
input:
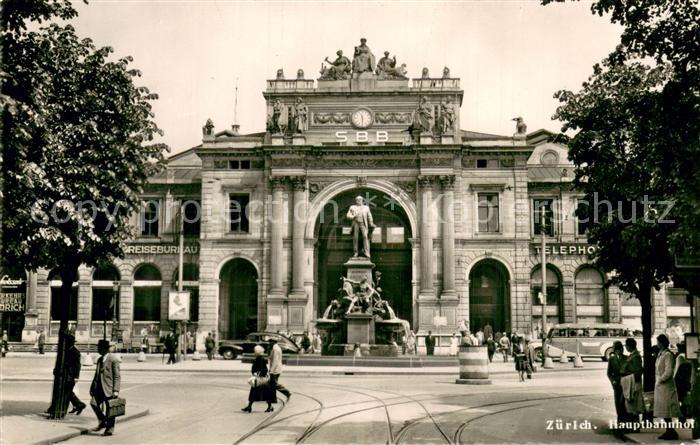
[(645, 300), (69, 273)]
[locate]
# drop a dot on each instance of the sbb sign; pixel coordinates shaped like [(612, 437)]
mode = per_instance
[(362, 136)]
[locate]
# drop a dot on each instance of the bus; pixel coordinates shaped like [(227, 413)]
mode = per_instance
[(587, 339)]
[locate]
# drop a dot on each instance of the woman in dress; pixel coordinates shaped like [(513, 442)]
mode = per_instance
[(665, 397), (260, 392)]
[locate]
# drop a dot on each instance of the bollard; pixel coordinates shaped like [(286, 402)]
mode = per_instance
[(473, 365), (548, 363), (196, 356), (578, 362), (141, 357), (87, 360), (563, 358)]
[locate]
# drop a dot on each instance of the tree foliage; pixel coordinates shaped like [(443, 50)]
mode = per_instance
[(78, 146), (636, 145)]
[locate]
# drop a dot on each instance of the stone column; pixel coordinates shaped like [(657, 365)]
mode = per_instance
[(298, 228), (30, 313), (276, 235), (448, 237), (426, 239)]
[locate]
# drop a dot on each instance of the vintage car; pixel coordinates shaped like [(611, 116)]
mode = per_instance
[(230, 349)]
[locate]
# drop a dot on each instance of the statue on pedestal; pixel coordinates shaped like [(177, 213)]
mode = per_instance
[(520, 126), (339, 69), (363, 59), (447, 116), (277, 121), (423, 116), (301, 116), (362, 224), (208, 128), (387, 69)]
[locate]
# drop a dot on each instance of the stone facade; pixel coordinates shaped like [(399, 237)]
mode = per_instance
[(440, 181)]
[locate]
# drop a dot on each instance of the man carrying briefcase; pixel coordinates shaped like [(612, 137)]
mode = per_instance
[(105, 387)]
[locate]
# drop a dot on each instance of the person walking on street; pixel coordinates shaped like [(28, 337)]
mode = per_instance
[(105, 386), (683, 376), (615, 364), (430, 343), (5, 344), (260, 392), (488, 331), (504, 343), (41, 342), (209, 345), (72, 374), (490, 348), (170, 344), (665, 397), (276, 369), (523, 358)]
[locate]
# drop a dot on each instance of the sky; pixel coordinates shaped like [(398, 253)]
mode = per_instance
[(511, 56)]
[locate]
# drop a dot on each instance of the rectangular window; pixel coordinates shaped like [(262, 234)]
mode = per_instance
[(376, 237), (56, 303), (537, 206), (481, 163), (234, 165), (238, 206), (395, 235), (239, 164), (245, 164), (105, 304), (488, 213), (192, 217), (150, 216), (147, 304), (582, 223)]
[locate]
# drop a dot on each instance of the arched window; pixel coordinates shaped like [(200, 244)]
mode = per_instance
[(554, 295), (590, 295), (55, 285), (190, 283), (105, 293), (147, 291)]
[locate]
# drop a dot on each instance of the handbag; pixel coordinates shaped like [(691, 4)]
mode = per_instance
[(262, 381), (116, 407)]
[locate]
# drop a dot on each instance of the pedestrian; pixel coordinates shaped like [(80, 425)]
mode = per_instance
[(504, 343), (276, 368), (305, 342), (631, 381), (488, 331), (105, 386), (170, 344), (260, 391), (615, 363), (490, 348), (209, 345), (41, 341), (5, 344), (430, 343), (317, 343), (464, 328), (683, 376), (454, 345), (523, 358), (665, 397), (73, 364)]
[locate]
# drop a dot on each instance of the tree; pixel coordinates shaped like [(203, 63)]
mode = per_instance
[(637, 124), (78, 141)]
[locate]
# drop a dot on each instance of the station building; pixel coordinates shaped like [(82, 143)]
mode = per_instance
[(266, 235)]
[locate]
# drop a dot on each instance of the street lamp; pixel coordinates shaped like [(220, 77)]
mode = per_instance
[(114, 303)]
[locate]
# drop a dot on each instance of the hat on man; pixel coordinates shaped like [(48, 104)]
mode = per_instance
[(102, 344)]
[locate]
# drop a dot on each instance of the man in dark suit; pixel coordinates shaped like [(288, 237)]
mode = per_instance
[(430, 343), (105, 386), (615, 363), (72, 373)]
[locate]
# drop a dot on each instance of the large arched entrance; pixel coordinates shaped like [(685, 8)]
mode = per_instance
[(390, 248), (489, 296), (238, 299)]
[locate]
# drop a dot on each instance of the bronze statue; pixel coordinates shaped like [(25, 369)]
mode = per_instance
[(339, 69), (362, 225)]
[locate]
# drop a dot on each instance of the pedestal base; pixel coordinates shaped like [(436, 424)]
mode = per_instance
[(360, 328), (359, 268)]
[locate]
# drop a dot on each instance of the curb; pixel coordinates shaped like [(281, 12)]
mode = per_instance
[(83, 430)]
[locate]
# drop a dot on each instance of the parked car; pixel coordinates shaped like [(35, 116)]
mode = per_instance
[(230, 349), (586, 339)]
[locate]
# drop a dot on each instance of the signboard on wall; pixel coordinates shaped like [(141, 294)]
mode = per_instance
[(566, 249), (12, 295), (178, 305)]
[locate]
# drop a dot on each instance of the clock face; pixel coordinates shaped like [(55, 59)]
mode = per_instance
[(362, 118)]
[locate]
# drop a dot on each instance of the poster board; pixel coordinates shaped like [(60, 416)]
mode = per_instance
[(178, 305)]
